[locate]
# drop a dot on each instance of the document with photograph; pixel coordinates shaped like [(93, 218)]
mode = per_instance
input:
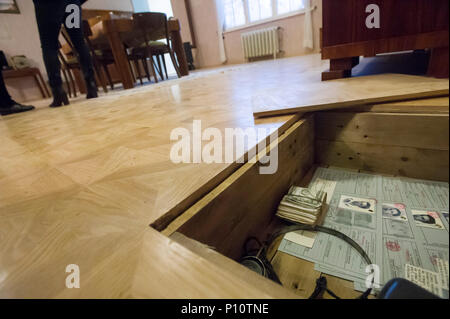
[(364, 205), (445, 214), (395, 211), (427, 219)]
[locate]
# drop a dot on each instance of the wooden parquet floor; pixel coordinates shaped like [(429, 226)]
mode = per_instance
[(81, 184)]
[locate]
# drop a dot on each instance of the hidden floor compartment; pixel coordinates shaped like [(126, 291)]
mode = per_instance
[(379, 159)]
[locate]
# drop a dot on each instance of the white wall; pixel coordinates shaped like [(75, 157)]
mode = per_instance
[(20, 34), (121, 5), (204, 16)]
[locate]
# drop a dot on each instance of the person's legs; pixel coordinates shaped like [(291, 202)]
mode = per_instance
[(50, 16), (8, 105), (77, 38)]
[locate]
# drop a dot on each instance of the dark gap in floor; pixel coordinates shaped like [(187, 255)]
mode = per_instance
[(412, 63)]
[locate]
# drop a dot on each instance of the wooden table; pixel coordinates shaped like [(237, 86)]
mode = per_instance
[(114, 27), (27, 72)]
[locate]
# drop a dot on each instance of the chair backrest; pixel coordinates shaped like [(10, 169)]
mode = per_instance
[(87, 31), (66, 38), (153, 25), (68, 49), (62, 57)]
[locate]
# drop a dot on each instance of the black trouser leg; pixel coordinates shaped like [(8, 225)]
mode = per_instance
[(5, 99), (77, 38), (50, 16)]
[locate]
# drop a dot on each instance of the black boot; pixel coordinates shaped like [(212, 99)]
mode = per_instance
[(15, 108), (91, 89), (59, 97)]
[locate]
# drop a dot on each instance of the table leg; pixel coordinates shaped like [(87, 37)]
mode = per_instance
[(47, 92), (120, 57), (36, 79), (78, 79), (177, 43)]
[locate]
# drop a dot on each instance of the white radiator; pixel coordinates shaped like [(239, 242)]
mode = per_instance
[(261, 42)]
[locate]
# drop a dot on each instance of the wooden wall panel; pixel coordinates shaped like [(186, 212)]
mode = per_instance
[(344, 21), (395, 129), (397, 18), (394, 160), (412, 145), (404, 25), (334, 33)]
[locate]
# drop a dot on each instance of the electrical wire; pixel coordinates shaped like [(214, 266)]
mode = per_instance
[(320, 284)]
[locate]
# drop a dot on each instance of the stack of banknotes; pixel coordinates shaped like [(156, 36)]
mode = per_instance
[(302, 205)]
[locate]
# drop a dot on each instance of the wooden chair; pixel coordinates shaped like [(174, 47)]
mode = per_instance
[(100, 48), (101, 57), (71, 62), (136, 52), (135, 56), (29, 72), (153, 28), (66, 68)]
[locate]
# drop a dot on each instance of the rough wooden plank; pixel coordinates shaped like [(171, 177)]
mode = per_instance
[(300, 276), (396, 160), (342, 288), (244, 204), (244, 274), (166, 269), (295, 273), (428, 131)]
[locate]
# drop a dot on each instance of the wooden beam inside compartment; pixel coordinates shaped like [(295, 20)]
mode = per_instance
[(245, 203), (423, 131), (395, 160), (401, 144)]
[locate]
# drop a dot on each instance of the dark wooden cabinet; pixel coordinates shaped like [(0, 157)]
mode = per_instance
[(404, 25)]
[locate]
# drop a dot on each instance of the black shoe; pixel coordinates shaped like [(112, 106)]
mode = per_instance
[(15, 108), (91, 88), (59, 97)]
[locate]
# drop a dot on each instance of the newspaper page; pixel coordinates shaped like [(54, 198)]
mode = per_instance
[(397, 221), (426, 279)]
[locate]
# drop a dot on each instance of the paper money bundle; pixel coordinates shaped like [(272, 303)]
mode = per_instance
[(302, 205)]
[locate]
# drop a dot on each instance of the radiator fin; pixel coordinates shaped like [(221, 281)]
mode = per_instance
[(261, 42)]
